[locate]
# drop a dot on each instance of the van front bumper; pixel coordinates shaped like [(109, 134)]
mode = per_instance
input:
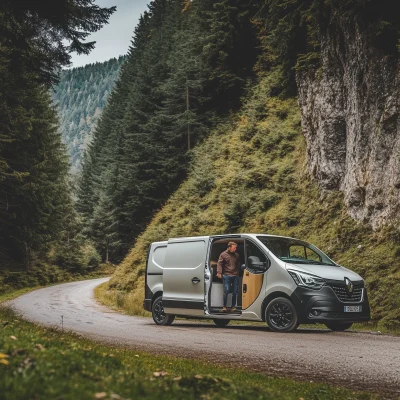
[(320, 306)]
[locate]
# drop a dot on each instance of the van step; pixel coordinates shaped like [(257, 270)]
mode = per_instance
[(217, 311)]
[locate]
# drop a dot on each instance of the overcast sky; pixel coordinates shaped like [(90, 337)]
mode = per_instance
[(114, 38)]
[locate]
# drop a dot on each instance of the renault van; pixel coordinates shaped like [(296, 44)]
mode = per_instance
[(284, 282)]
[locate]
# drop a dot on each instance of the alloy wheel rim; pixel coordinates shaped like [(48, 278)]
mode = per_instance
[(159, 313), (280, 315)]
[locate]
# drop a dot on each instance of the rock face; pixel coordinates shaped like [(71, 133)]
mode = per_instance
[(351, 120)]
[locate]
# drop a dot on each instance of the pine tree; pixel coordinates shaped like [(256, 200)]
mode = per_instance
[(35, 204)]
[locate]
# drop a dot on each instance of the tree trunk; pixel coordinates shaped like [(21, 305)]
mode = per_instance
[(27, 256), (187, 109)]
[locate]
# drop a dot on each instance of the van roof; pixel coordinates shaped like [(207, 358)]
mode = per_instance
[(228, 235)]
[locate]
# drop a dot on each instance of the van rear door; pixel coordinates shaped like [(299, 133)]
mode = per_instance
[(183, 283)]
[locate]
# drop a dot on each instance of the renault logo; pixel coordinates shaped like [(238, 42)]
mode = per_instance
[(349, 285)]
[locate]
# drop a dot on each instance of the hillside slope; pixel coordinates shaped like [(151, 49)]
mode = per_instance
[(80, 97), (250, 175)]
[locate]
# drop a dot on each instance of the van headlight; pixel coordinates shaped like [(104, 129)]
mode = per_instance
[(306, 280)]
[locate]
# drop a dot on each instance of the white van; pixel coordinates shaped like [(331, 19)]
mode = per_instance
[(284, 281)]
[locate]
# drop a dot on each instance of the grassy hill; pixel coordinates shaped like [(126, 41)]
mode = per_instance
[(250, 175)]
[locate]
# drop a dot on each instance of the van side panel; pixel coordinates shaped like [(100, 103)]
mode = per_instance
[(183, 278)]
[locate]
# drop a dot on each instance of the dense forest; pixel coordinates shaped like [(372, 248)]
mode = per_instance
[(80, 96), (37, 218)]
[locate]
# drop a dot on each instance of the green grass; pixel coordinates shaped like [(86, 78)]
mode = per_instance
[(16, 279), (250, 175), (39, 363)]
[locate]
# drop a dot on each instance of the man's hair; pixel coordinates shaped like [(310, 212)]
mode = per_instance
[(230, 244)]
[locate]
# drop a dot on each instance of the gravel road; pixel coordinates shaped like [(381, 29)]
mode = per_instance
[(356, 360)]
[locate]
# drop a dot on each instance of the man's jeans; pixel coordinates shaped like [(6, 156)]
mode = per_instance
[(231, 285)]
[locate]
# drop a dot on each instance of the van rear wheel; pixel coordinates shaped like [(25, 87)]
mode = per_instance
[(338, 326), (281, 315), (221, 322), (159, 316)]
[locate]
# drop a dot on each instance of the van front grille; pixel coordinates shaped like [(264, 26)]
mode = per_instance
[(343, 295)]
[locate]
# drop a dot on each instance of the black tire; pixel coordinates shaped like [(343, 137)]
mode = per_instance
[(159, 316), (281, 315), (338, 326), (221, 322)]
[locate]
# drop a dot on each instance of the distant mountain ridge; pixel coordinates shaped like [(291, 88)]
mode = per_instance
[(80, 97)]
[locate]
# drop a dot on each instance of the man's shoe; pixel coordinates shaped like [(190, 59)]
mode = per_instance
[(233, 309), (224, 309)]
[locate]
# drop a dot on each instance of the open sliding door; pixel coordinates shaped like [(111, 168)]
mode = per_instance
[(252, 282)]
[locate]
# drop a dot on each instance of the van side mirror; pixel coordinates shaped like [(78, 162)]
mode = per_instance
[(255, 266)]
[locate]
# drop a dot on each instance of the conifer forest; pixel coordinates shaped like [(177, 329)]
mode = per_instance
[(80, 96), (212, 109)]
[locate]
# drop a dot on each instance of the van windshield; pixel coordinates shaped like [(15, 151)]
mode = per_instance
[(295, 251)]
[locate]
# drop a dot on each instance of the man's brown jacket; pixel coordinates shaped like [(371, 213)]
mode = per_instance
[(228, 263)]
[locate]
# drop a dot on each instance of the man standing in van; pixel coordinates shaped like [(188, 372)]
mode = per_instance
[(228, 268)]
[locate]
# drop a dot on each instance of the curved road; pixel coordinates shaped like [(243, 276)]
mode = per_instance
[(356, 360)]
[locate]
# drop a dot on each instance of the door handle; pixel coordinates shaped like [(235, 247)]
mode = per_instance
[(195, 280), (245, 288)]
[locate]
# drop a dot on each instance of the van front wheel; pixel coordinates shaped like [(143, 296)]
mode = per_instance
[(281, 315), (159, 316)]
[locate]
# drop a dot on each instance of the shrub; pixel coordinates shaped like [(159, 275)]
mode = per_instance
[(91, 257)]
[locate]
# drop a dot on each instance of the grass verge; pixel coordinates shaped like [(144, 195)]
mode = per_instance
[(20, 280), (41, 363)]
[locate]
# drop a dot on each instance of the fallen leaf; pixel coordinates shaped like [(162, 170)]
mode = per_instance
[(100, 395), (3, 361), (2, 355), (136, 355), (13, 338), (160, 373)]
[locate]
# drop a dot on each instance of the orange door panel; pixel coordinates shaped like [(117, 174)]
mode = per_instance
[(251, 288)]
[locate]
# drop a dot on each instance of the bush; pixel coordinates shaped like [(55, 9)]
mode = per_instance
[(236, 212), (91, 257), (69, 256)]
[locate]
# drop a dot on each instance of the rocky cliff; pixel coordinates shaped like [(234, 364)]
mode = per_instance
[(351, 121)]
